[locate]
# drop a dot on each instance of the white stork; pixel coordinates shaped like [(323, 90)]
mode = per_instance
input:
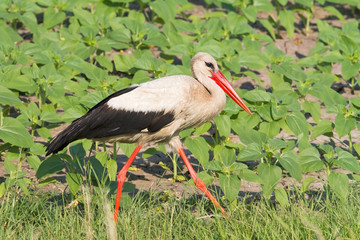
[(155, 111)]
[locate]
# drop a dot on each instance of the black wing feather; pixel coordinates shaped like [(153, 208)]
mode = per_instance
[(102, 121)]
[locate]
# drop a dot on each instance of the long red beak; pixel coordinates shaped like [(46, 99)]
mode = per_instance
[(220, 80)]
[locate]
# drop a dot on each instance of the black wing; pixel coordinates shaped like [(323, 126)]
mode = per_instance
[(102, 121)]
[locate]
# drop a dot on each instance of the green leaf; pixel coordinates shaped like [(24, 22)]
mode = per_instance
[(325, 126), (74, 181), (313, 108), (281, 197), (223, 125), (250, 176), (257, 95), (306, 183), (128, 148), (270, 176), (166, 10), (287, 19), (347, 161), (112, 169), (252, 152), (349, 69), (49, 166), (269, 27), (199, 147), (332, 10), (289, 162), (230, 184), (8, 35), (7, 97), (52, 18), (124, 63), (251, 59), (339, 182), (225, 155), (34, 162), (343, 126), (298, 124), (309, 160), (12, 131)]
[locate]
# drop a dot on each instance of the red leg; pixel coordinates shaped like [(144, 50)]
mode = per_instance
[(121, 179), (198, 182)]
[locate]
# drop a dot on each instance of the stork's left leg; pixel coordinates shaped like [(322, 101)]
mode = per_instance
[(121, 179), (198, 182)]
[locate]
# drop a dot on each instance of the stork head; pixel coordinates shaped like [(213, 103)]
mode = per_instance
[(203, 64)]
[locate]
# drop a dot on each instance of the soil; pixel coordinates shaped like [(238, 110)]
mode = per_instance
[(149, 175)]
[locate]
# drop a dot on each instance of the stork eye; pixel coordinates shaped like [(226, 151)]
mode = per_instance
[(210, 65)]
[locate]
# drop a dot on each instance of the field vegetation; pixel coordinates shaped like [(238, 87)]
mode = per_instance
[(295, 63)]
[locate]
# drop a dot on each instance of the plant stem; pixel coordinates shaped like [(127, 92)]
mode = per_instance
[(174, 161), (350, 143), (114, 151)]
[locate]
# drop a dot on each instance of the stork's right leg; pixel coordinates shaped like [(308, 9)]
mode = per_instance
[(121, 179), (198, 182)]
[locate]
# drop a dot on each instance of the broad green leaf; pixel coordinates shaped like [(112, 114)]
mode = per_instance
[(270, 176), (52, 18), (250, 176), (275, 144), (248, 136), (339, 182), (7, 97), (252, 152), (325, 126), (289, 162), (343, 126), (14, 132), (202, 129), (127, 148), (251, 59), (257, 95), (290, 70), (166, 10), (225, 155), (309, 160), (271, 129), (281, 197), (74, 181), (250, 13), (298, 124), (8, 35), (105, 62), (112, 169), (124, 63), (230, 184), (269, 27), (306, 183), (49, 166), (199, 147), (287, 19), (332, 10), (347, 161), (34, 162), (313, 108), (223, 125), (349, 69)]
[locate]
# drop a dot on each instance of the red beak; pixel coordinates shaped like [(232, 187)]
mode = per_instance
[(220, 80)]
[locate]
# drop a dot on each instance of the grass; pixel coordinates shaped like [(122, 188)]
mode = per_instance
[(153, 215)]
